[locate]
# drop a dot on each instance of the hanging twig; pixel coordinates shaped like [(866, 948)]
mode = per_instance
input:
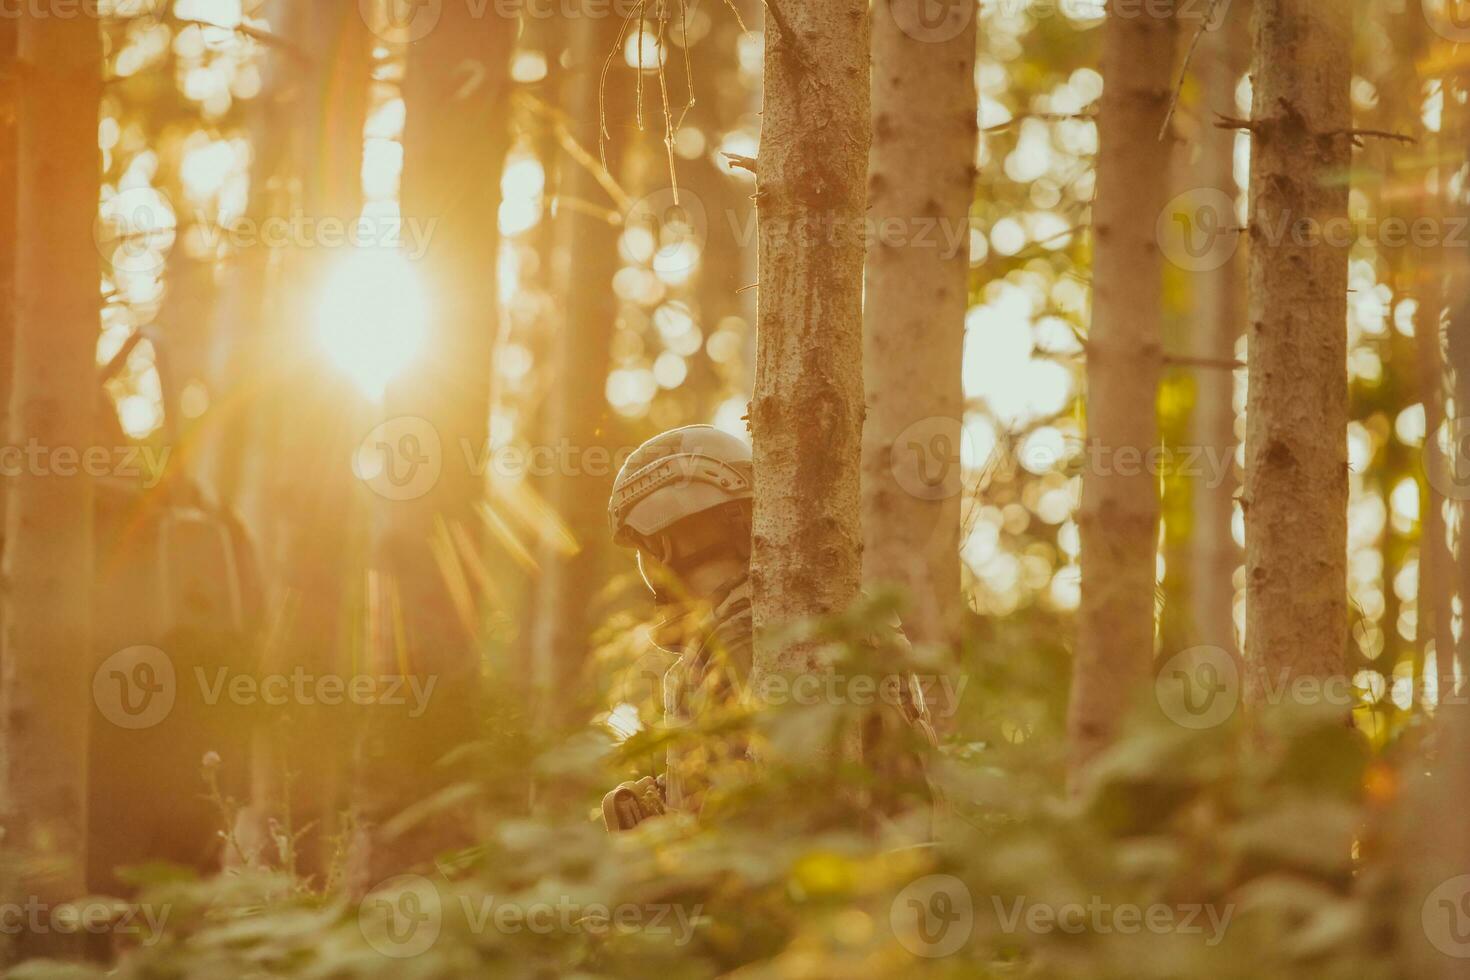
[(622, 200), (1184, 68)]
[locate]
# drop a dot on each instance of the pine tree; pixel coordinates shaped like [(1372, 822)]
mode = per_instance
[(922, 170), (48, 657), (807, 413), (1296, 484), (1119, 516)]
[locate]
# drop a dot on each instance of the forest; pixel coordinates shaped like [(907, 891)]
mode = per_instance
[(735, 488)]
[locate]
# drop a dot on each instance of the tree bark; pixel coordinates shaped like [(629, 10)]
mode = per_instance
[(922, 170), (1214, 555), (9, 34), (807, 413), (1119, 515), (1296, 448), (48, 658), (455, 141), (585, 261)]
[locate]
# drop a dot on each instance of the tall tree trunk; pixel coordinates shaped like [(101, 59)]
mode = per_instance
[(48, 656), (1119, 516), (455, 141), (807, 413), (922, 169), (1296, 447), (586, 259), (308, 420), (9, 33), (1214, 555)]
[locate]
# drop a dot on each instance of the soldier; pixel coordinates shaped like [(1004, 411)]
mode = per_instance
[(684, 500)]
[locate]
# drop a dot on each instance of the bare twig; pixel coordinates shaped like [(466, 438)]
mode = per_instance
[(1044, 116), (739, 161), (558, 120), (254, 33), (1357, 135), (1184, 68), (1233, 122)]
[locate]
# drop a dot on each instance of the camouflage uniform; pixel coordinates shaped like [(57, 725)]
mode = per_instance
[(674, 476)]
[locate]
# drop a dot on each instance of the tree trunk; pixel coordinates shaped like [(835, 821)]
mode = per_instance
[(455, 141), (577, 415), (807, 413), (306, 416), (48, 658), (1296, 448), (1214, 555), (1119, 516), (9, 33), (922, 170)]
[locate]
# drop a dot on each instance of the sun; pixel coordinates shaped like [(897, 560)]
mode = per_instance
[(372, 317)]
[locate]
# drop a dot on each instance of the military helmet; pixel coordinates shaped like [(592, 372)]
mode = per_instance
[(675, 475)]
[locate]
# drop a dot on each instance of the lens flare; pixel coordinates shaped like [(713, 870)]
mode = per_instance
[(373, 318)]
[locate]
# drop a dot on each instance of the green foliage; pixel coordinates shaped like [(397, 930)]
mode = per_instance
[(1223, 853)]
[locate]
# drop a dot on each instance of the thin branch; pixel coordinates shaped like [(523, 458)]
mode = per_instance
[(1233, 122), (1184, 68), (1044, 116), (602, 134), (739, 161), (1357, 135), (621, 198), (254, 33)]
